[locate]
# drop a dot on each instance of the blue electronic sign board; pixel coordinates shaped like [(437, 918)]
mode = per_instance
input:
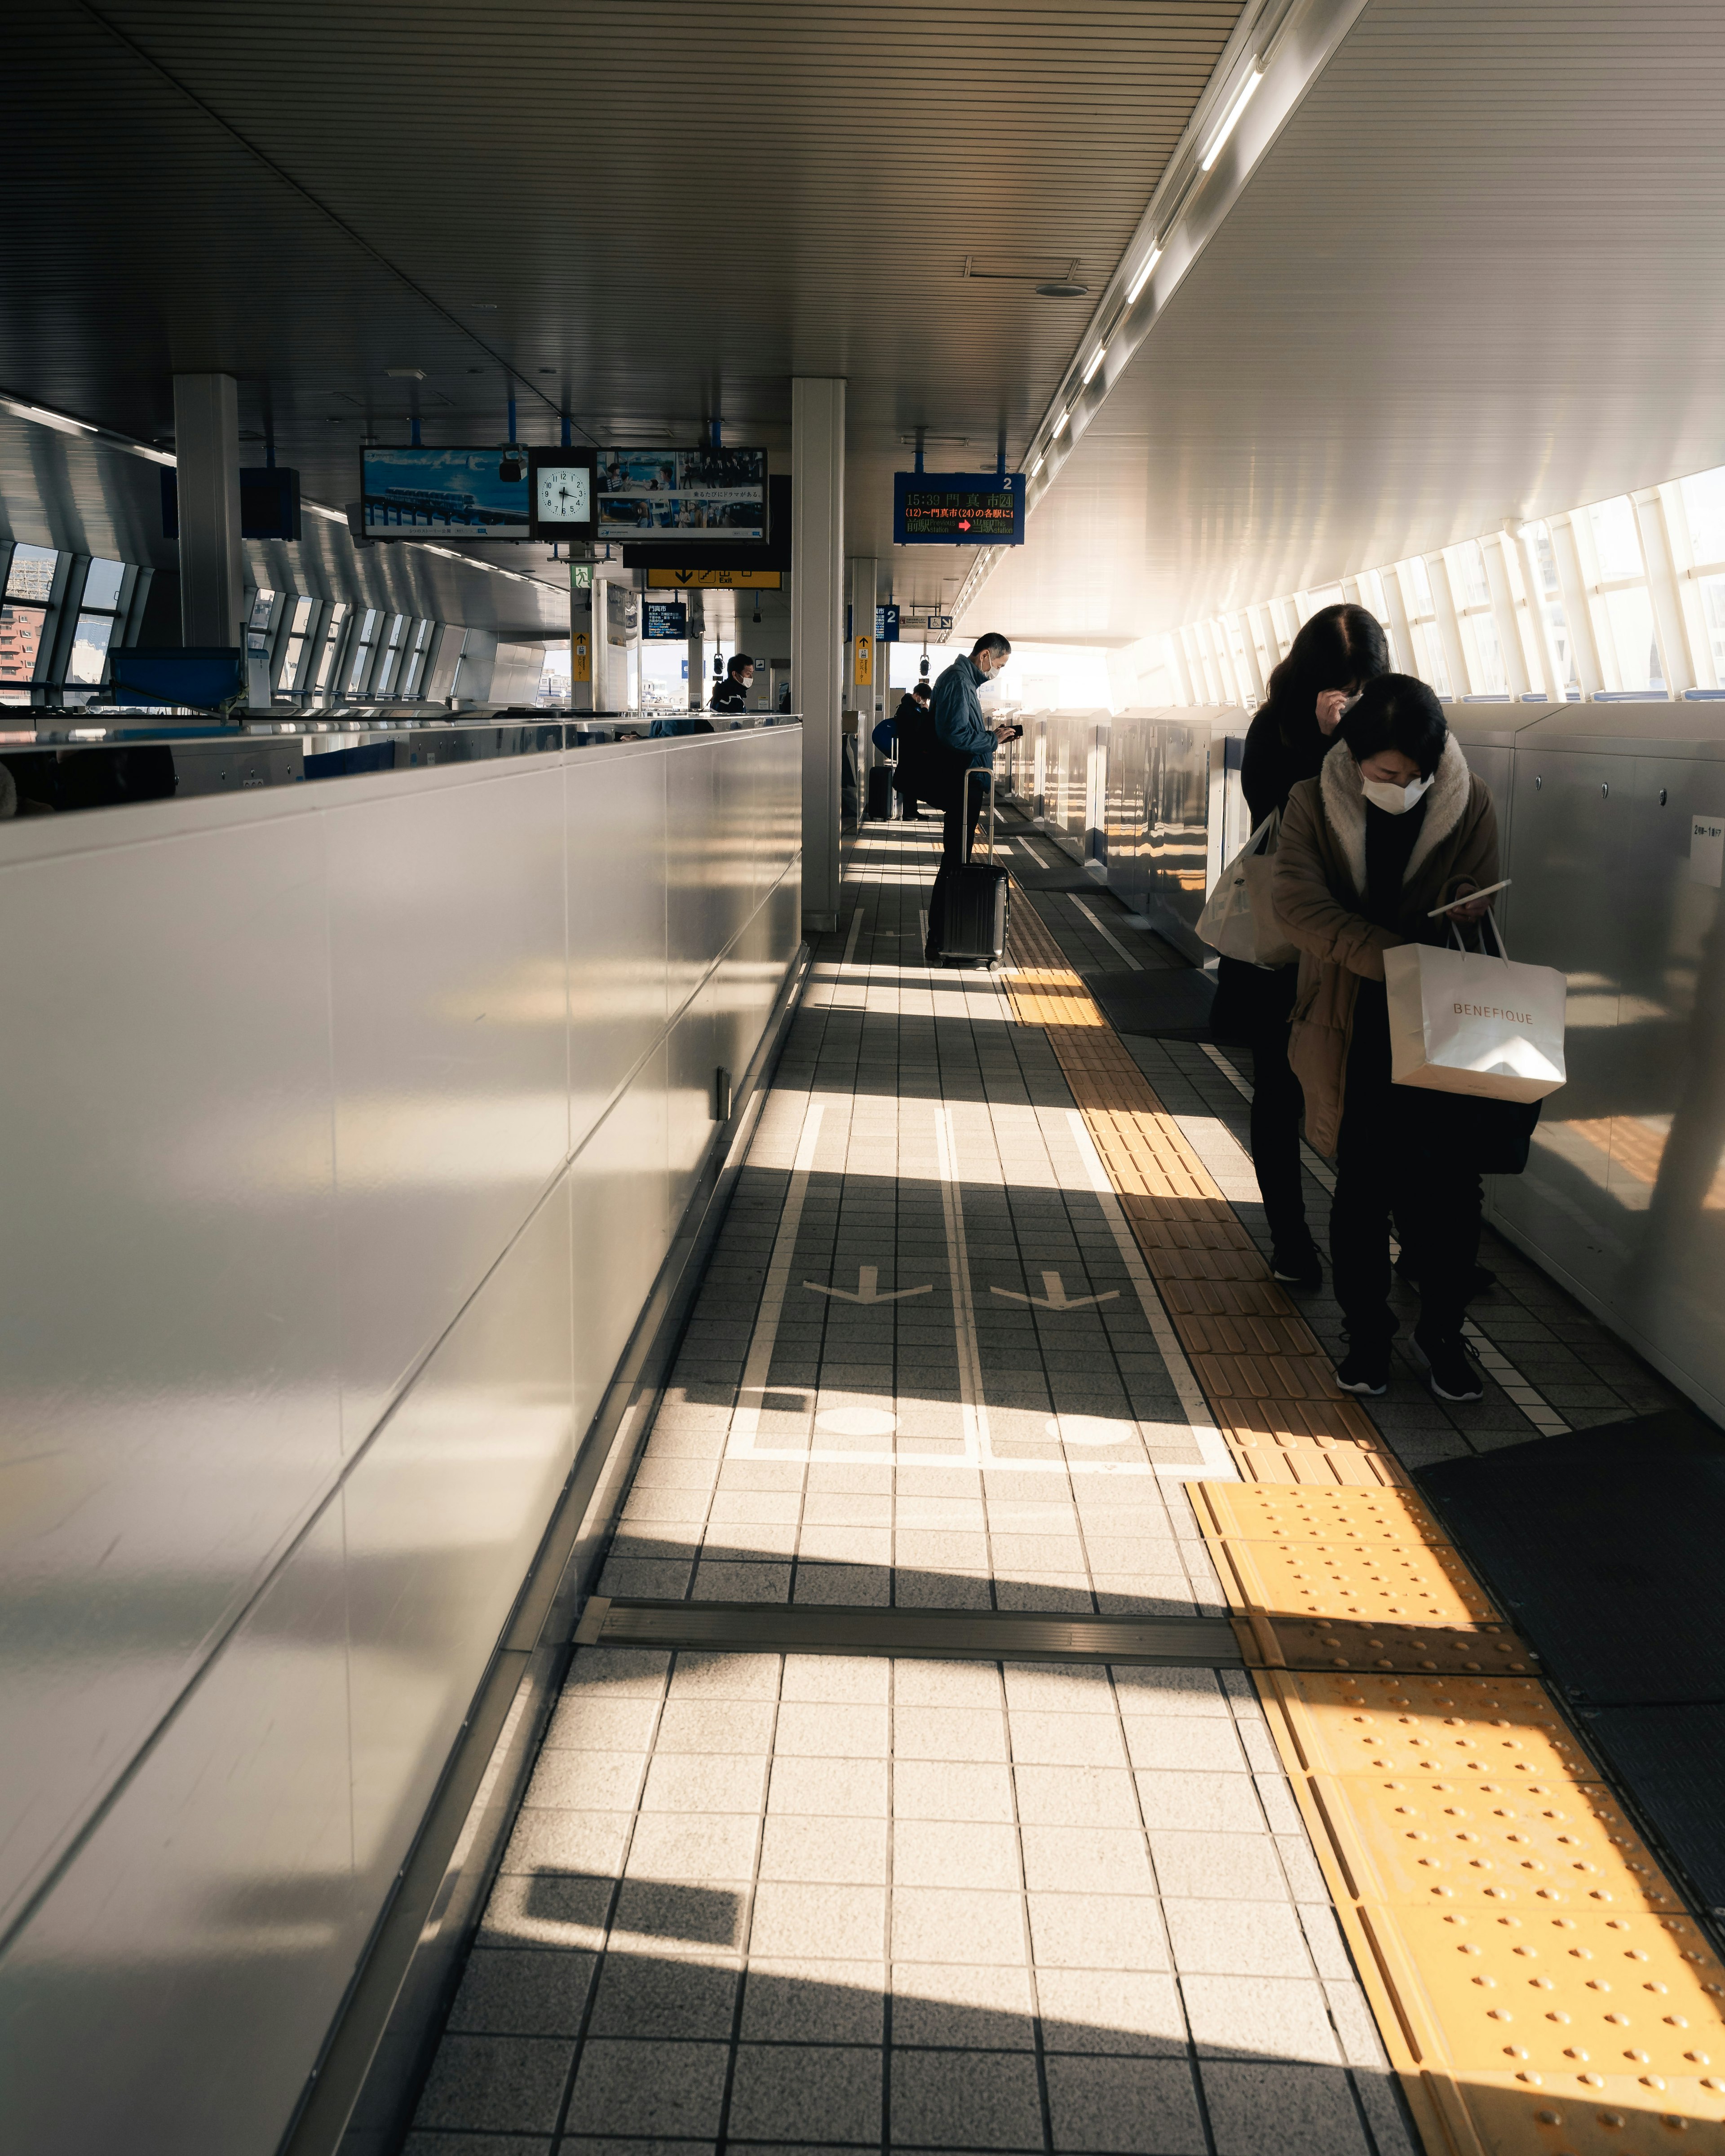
[(887, 624), (957, 508)]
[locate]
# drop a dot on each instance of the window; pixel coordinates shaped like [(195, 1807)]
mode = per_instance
[(391, 655), (1704, 505), (363, 651), (98, 623), (1479, 647), (1422, 623), (412, 685), (31, 576), (292, 665), (331, 644)]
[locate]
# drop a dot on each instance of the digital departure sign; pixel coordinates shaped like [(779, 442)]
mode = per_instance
[(957, 508)]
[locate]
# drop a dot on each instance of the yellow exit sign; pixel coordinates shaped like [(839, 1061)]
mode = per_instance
[(714, 580)]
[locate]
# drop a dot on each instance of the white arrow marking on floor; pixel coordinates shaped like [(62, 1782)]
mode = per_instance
[(868, 1288), (1054, 1296)]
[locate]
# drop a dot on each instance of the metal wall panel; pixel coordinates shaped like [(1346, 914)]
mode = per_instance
[(451, 1050), (171, 1993), (168, 1307), (441, 1518), (216, 986)]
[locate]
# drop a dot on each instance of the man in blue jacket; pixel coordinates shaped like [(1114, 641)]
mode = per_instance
[(965, 742)]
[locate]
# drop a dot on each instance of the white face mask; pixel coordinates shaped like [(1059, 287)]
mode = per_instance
[(1395, 800)]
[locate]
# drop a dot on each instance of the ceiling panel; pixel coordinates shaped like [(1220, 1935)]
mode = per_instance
[(1475, 278), (645, 219)]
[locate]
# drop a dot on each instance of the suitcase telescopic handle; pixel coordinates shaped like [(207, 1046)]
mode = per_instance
[(979, 771)]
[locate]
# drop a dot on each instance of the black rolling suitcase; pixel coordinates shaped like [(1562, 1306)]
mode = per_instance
[(880, 797), (974, 918)]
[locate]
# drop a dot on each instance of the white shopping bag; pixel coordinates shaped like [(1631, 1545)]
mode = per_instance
[(1239, 919), (1461, 1022)]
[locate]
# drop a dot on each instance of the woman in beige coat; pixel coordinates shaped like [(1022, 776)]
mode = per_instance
[(1393, 824)]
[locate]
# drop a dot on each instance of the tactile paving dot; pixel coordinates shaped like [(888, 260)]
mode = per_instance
[(1533, 1846), (1407, 1582), (1462, 1728), (1566, 2003), (1352, 1644), (1262, 1512), (1622, 2118)]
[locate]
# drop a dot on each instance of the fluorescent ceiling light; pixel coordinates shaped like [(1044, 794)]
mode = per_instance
[(1060, 426), (1219, 138), (44, 418), (1038, 466), (1143, 278), (1095, 360)]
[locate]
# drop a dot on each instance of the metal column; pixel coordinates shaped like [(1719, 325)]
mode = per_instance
[(212, 558), (865, 654), (818, 629)]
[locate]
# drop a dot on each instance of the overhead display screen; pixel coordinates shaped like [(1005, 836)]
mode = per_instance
[(665, 621), (670, 494), (561, 492), (456, 492), (957, 508)]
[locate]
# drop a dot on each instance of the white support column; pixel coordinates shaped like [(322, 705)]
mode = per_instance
[(1403, 657), (1503, 613), (1690, 602), (1261, 642), (1350, 591), (818, 629), (1676, 661), (1181, 668), (1572, 586), (211, 557), (1557, 681), (1449, 624)]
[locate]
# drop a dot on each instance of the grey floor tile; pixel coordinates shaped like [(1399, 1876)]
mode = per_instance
[(965, 2100), (1231, 1867), (813, 2002), (495, 2084), (513, 1991), (643, 1995), (1262, 2017), (806, 2092), (1131, 2011), (1125, 2104), (1276, 2108), (650, 2087), (963, 2006)]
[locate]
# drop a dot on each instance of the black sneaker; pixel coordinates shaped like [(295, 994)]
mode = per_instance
[(1299, 1269), (1365, 1369), (1450, 1370)]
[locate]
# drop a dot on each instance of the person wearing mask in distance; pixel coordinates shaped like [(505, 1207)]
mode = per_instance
[(731, 695), (1338, 650), (1393, 824), (964, 741)]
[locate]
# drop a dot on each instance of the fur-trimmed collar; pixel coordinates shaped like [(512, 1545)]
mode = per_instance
[(1344, 800)]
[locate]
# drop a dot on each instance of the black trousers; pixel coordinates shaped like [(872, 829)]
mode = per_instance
[(957, 831), (1398, 1157), (1277, 1107)]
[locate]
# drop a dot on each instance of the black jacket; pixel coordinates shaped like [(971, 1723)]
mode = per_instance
[(1276, 759), (917, 773), (728, 695)]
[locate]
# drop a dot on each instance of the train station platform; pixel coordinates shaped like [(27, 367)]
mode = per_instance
[(1025, 1708)]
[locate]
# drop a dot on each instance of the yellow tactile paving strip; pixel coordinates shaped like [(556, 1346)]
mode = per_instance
[(1537, 1980), (1269, 1385)]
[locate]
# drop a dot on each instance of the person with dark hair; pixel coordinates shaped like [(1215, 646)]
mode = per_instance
[(1393, 824), (913, 739), (1336, 653), (731, 695), (964, 742)]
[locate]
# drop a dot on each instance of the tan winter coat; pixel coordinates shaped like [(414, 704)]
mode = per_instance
[(1320, 880)]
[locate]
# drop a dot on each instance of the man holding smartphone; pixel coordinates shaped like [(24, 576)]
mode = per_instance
[(964, 742)]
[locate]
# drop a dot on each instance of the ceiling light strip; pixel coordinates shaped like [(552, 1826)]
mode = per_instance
[(1277, 53)]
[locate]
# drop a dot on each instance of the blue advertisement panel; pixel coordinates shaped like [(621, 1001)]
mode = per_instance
[(957, 508), (455, 491)]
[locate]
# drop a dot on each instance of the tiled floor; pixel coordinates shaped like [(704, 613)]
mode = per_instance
[(814, 1901), (807, 1901)]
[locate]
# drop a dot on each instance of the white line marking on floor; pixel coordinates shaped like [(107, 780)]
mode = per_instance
[(1219, 1462), (1136, 964), (972, 1407), (745, 1417)]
